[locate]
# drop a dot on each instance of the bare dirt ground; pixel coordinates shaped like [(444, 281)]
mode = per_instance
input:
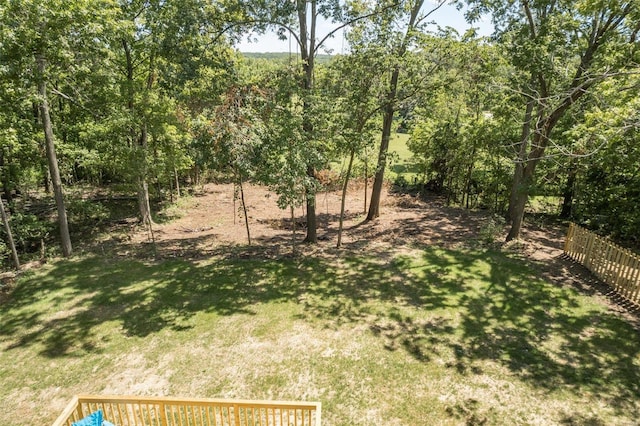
[(212, 223), (212, 219)]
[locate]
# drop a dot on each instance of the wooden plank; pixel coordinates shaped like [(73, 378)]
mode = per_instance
[(604, 259), (615, 272), (581, 255), (624, 267), (67, 412), (629, 282), (596, 255), (568, 239), (633, 284), (587, 250), (145, 411)]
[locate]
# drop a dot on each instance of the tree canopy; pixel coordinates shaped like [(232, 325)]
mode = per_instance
[(152, 96)]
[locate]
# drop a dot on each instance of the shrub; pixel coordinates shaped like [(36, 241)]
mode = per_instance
[(492, 229)]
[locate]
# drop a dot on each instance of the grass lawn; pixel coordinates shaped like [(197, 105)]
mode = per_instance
[(402, 159), (427, 336)]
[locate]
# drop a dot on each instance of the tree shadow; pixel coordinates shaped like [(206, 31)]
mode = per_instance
[(473, 307), (143, 298), (469, 308)]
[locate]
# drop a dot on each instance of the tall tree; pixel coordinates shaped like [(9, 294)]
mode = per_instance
[(163, 48), (7, 230), (353, 83), (41, 44), (563, 49), (395, 27), (52, 158), (299, 20)]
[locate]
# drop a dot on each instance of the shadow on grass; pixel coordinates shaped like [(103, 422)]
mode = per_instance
[(471, 308), (62, 310), (468, 308)]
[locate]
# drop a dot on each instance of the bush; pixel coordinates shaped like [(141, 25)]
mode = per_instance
[(28, 230), (83, 212), (491, 230), (4, 253)]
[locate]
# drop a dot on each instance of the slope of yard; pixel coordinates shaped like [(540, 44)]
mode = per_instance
[(396, 329), (430, 336)]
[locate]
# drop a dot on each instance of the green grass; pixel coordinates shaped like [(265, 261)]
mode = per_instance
[(402, 159), (431, 336)]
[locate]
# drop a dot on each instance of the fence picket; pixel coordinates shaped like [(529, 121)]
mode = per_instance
[(615, 266), (616, 271), (633, 282)]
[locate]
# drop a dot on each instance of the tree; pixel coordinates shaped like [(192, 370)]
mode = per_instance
[(605, 178), (562, 50), (165, 50), (352, 82), (52, 159), (42, 44), (459, 126), (7, 230), (283, 152), (393, 44), (236, 133), (299, 20)]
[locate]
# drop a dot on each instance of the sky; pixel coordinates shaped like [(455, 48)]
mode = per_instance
[(447, 15)]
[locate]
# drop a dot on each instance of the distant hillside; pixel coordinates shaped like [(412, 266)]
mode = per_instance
[(283, 56)]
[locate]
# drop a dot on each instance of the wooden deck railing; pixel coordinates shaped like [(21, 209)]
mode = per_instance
[(143, 411), (616, 266)]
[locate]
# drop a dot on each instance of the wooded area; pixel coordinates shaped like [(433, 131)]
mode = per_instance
[(148, 98)]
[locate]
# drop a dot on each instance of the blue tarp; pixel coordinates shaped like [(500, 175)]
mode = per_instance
[(93, 419)]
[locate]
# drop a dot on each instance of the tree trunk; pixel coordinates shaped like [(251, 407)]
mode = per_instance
[(7, 228), (312, 223), (344, 197), (389, 109), (568, 193), (175, 175), (522, 182), (143, 201), (293, 230), (307, 54), (244, 208), (143, 187), (366, 180), (53, 160), (376, 192), (521, 158)]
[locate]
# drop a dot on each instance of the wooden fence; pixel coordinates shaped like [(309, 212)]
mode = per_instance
[(616, 266), (144, 411)]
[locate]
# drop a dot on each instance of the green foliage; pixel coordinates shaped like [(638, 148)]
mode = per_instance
[(462, 129), (491, 230), (121, 70), (86, 212), (29, 230), (608, 183)]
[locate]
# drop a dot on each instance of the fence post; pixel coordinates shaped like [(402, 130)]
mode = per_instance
[(587, 250), (569, 238), (163, 415), (236, 414)]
